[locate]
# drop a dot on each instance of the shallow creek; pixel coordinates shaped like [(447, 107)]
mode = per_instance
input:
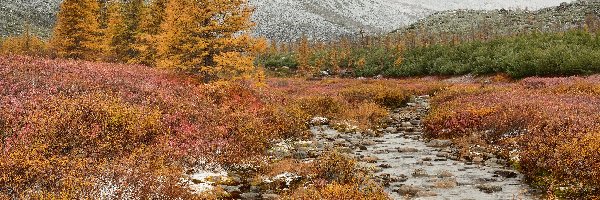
[(409, 165)]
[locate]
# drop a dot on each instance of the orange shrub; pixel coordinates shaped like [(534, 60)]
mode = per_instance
[(381, 94), (367, 115), (338, 191), (551, 122), (72, 129)]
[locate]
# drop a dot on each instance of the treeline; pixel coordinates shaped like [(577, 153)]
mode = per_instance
[(419, 53), (203, 37)]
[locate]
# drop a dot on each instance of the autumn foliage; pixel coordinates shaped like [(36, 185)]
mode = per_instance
[(77, 33), (73, 129), (551, 123)]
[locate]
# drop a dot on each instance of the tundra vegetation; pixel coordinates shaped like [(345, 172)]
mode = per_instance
[(132, 97)]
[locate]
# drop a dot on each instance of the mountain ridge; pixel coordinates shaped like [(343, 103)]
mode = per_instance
[(288, 20)]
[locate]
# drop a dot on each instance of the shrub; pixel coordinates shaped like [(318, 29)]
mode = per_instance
[(548, 121), (337, 191), (324, 106), (73, 129), (367, 115), (384, 95)]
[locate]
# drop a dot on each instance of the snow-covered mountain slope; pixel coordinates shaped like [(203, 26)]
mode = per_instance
[(39, 14), (324, 19), (290, 19)]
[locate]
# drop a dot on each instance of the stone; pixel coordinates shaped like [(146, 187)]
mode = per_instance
[(234, 191), (391, 129), (495, 162), (445, 174), (406, 124), (506, 173), (385, 166), (344, 150), (478, 159), (439, 143), (370, 159), (319, 121), (420, 173), (409, 190), (446, 183), (300, 154), (407, 150), (426, 194), (442, 155), (270, 196), (250, 196), (362, 147), (487, 188), (368, 143), (381, 151)]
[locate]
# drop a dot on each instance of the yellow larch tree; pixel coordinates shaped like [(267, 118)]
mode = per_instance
[(24, 44), (153, 16), (303, 56), (123, 29), (208, 37), (77, 33)]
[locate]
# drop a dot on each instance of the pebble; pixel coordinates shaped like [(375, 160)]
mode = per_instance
[(478, 159), (407, 150), (370, 159), (439, 143), (270, 196), (489, 188)]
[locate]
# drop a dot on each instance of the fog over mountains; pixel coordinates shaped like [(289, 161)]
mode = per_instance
[(289, 19)]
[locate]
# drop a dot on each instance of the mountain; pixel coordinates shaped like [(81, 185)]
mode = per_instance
[(502, 22), (287, 20), (39, 14), (326, 19)]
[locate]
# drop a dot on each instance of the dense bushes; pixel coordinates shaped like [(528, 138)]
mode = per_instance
[(538, 54), (551, 122), (362, 103), (74, 129), (339, 179)]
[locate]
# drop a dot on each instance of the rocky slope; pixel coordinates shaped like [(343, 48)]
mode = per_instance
[(39, 14), (326, 19), (502, 21), (290, 19)]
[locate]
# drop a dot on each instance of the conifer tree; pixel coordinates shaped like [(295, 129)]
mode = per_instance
[(303, 56), (24, 44), (208, 37), (152, 17), (77, 34), (122, 33)]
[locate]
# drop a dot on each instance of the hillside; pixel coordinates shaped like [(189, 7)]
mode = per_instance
[(502, 21), (289, 19), (40, 14), (326, 19)]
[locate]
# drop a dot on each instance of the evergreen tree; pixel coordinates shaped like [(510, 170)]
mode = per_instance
[(303, 56), (77, 34), (24, 44), (122, 33), (153, 16), (208, 37)]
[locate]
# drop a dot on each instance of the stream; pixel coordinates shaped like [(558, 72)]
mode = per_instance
[(411, 166)]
